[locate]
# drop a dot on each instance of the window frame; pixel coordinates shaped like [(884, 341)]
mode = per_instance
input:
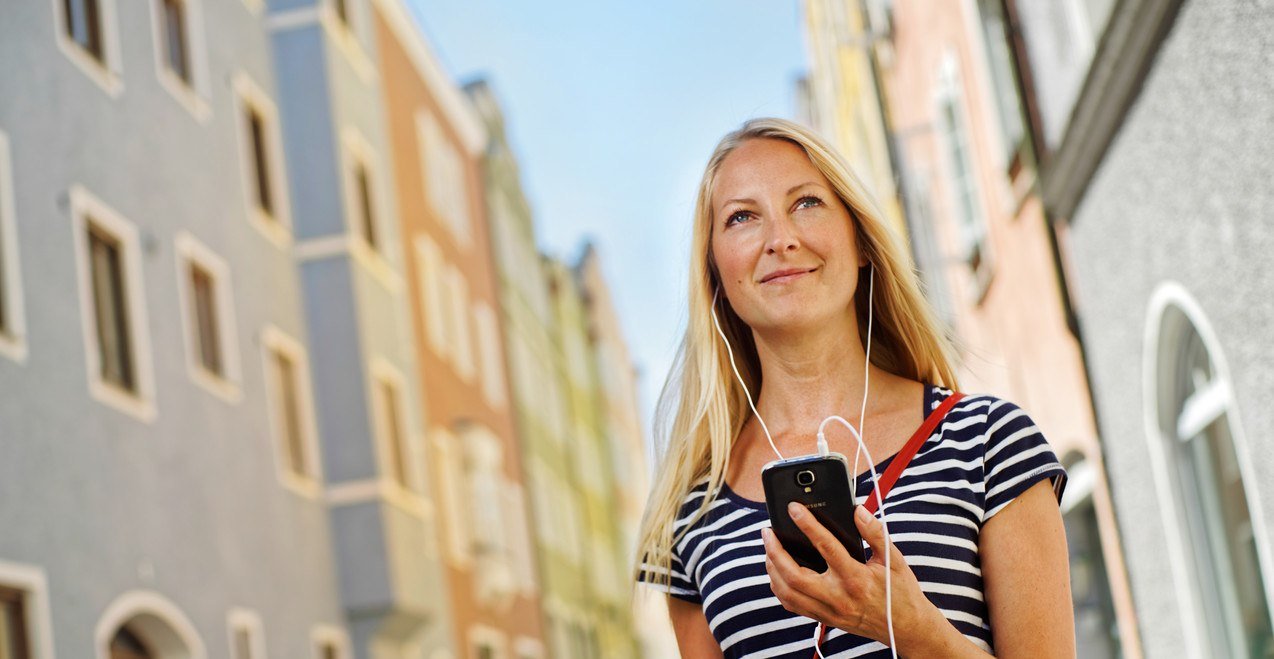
[(323, 636), (241, 619), (491, 637), (356, 153), (32, 582), (404, 460), (13, 330), (460, 349), (1169, 297), (191, 252), (149, 615), (973, 233), (306, 484), (430, 275), (276, 224), (445, 183), (191, 93), (490, 355), (89, 212), (107, 72)]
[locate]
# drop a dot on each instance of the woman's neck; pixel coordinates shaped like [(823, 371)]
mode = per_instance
[(812, 375)]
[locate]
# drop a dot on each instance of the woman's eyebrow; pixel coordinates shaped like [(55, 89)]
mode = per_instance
[(790, 190)]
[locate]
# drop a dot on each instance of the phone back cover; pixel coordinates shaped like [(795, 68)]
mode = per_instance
[(828, 499)]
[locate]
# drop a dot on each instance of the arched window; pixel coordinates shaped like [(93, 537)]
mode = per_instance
[(1096, 628), (1192, 408), (145, 625)]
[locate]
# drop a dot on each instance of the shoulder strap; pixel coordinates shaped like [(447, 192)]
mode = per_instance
[(909, 450)]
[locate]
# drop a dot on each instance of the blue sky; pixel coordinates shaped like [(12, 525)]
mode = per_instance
[(613, 109)]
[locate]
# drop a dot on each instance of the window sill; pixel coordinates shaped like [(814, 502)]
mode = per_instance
[(130, 403), (13, 348), (303, 486), (271, 227), (218, 385), (109, 81), (185, 95)]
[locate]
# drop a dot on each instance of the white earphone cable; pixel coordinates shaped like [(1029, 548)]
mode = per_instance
[(823, 450)]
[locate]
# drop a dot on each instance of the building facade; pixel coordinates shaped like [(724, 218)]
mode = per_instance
[(350, 255), (438, 144), (989, 257), (160, 475), (1154, 116)]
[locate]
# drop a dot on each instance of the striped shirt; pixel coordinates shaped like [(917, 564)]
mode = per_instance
[(985, 453)]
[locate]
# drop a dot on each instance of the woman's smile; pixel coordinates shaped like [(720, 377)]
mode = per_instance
[(787, 275)]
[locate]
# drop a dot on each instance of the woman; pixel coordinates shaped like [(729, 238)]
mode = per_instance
[(788, 253)]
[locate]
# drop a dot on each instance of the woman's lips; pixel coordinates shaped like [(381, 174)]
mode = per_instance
[(785, 276)]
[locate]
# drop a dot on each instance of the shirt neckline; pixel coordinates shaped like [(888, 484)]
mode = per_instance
[(864, 478)]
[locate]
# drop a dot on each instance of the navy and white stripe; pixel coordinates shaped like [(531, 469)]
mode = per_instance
[(985, 453)]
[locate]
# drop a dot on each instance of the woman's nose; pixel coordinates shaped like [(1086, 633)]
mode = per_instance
[(782, 236)]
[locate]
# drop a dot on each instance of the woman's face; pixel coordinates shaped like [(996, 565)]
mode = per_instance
[(782, 240)]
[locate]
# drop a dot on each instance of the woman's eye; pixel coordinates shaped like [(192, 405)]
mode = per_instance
[(736, 218), (808, 202)]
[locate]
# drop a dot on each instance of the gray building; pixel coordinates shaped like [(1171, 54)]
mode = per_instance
[(1156, 119), (349, 253), (160, 486)]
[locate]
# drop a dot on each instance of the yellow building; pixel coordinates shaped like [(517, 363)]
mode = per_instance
[(841, 96)]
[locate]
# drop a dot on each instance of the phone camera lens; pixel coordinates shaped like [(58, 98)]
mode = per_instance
[(805, 478)]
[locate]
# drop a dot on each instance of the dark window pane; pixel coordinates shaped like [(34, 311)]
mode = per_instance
[(110, 307), (203, 298), (84, 26), (127, 645), (291, 413), (364, 191), (242, 644), (397, 454), (329, 651), (13, 625), (342, 10), (260, 161), (178, 58)]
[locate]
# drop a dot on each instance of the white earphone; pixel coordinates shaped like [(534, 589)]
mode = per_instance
[(823, 450)]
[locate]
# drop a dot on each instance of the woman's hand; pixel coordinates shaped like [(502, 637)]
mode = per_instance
[(851, 595)]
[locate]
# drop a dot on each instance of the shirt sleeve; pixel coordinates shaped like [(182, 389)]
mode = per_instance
[(1017, 457), (679, 584)]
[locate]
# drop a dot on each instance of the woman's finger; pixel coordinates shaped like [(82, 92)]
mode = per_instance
[(873, 533), (828, 545), (793, 575), (792, 598)]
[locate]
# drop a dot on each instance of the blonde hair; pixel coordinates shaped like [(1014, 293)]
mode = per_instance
[(705, 403)]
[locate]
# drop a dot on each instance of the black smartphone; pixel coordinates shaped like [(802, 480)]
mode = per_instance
[(821, 482)]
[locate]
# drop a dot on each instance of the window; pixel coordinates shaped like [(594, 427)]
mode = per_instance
[(208, 317), (1000, 61), (366, 215), (329, 643), (86, 35), (176, 40), (461, 341), (12, 323), (1193, 406), (247, 641), (144, 625), (262, 158), (341, 9), (1096, 628), (287, 382), (492, 357), (113, 306), (486, 643), (390, 425), (110, 309), (451, 479), (429, 273), (13, 624), (961, 174), (445, 179), (83, 25), (260, 162)]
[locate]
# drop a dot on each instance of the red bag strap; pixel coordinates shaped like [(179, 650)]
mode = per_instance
[(900, 461)]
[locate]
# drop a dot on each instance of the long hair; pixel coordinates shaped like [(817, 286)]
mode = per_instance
[(706, 405)]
